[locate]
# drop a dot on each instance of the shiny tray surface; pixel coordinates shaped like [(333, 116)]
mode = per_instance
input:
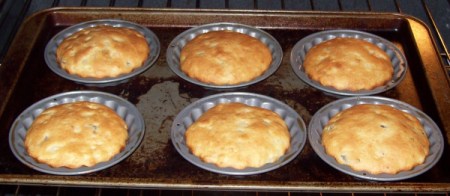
[(159, 94)]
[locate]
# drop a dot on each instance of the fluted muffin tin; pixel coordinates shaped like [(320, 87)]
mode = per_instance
[(177, 44), (52, 45), (302, 47), (322, 116), (192, 112), (127, 111)]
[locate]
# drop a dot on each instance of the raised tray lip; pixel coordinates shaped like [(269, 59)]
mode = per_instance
[(418, 28), (231, 11)]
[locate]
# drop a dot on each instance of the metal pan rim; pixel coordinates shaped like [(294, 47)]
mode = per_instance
[(303, 45), (297, 129), (126, 110), (324, 114), (172, 53), (150, 36)]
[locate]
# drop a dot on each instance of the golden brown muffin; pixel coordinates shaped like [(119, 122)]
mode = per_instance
[(348, 64), (102, 51), (238, 136), (225, 58), (76, 134), (376, 138)]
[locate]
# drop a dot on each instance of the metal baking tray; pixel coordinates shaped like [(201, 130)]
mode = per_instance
[(192, 112), (302, 47), (321, 118), (159, 94), (126, 110), (177, 44)]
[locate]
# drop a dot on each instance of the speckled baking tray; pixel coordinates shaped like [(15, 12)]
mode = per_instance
[(127, 111), (177, 44), (150, 37), (160, 94), (321, 118), (192, 112), (302, 47)]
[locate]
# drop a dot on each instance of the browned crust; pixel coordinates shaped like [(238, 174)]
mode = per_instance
[(225, 58), (76, 134), (348, 64), (102, 51), (238, 136), (376, 138)]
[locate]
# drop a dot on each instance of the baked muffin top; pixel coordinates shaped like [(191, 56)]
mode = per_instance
[(102, 52), (348, 64), (76, 134), (376, 138), (224, 58), (238, 136)]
